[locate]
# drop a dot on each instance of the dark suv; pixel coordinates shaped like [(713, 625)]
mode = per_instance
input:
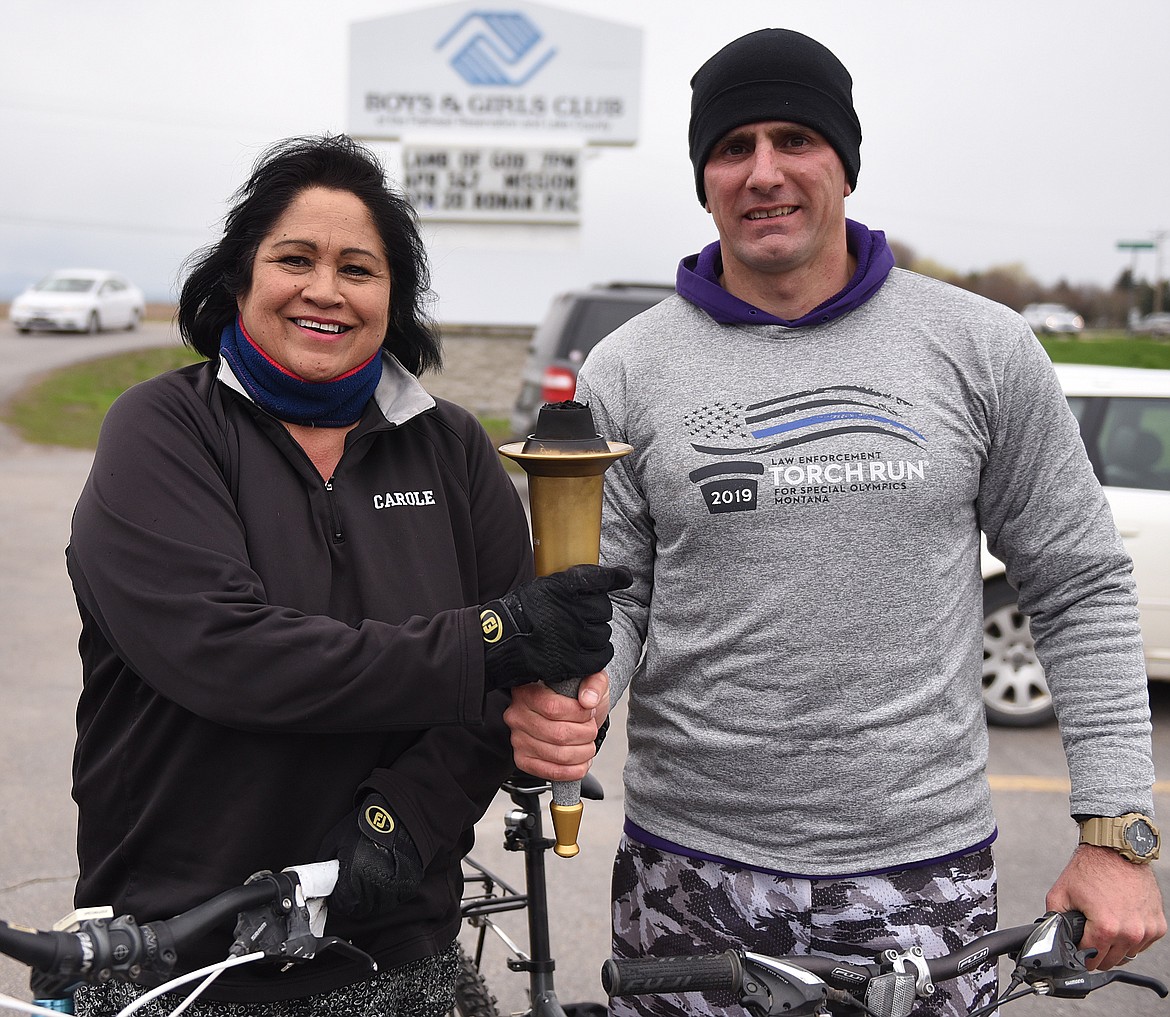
[(575, 323)]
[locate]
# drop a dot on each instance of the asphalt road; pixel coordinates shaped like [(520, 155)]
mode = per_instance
[(39, 679)]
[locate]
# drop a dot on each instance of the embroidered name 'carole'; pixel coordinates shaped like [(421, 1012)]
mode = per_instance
[(394, 499)]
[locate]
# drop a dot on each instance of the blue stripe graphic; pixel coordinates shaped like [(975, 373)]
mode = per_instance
[(828, 418)]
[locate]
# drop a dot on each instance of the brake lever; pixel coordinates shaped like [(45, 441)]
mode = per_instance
[(1080, 985), (344, 946), (282, 929)]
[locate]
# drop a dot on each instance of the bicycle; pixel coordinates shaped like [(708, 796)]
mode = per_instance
[(280, 917), (1046, 955), (487, 894)]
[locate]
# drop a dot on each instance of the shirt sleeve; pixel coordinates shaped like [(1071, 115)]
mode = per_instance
[(627, 530), (1045, 516)]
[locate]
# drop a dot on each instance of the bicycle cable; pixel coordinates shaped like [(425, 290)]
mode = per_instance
[(213, 970), (196, 993)]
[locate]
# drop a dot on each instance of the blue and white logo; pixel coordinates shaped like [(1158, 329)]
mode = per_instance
[(496, 48)]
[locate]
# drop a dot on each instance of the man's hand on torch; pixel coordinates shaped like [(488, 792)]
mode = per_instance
[(555, 736)]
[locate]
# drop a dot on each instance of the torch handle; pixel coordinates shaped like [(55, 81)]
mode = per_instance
[(566, 804), (566, 792)]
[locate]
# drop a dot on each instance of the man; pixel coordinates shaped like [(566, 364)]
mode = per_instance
[(819, 439)]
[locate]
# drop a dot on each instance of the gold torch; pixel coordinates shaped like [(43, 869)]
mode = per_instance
[(565, 460)]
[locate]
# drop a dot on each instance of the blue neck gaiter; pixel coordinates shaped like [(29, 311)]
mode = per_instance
[(335, 403)]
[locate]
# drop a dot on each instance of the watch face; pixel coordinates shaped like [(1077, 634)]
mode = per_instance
[(1140, 837)]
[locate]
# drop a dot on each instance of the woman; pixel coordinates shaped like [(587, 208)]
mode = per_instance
[(280, 559)]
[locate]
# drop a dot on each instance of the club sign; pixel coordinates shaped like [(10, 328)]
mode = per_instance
[(523, 69)]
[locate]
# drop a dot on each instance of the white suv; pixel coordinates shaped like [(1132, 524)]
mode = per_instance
[(1124, 414)]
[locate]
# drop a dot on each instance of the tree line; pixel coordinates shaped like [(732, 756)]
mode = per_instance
[(1013, 286)]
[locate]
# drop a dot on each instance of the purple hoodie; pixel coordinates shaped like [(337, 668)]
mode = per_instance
[(698, 281)]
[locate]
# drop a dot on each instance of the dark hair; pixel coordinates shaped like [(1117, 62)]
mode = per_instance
[(223, 271)]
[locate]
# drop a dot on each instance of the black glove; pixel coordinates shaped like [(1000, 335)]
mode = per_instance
[(379, 866), (553, 628)]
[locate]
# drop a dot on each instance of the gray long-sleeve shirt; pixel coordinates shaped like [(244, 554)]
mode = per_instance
[(802, 513)]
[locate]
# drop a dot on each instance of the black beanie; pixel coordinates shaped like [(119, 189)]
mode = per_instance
[(773, 74)]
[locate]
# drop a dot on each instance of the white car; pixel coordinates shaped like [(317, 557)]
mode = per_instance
[(1052, 318), (78, 300), (1155, 324), (1124, 413)]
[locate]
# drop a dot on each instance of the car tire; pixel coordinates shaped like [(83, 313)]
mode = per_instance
[(94, 325), (135, 317), (1015, 693)]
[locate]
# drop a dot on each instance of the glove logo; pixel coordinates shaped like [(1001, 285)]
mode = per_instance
[(493, 627), (379, 819)]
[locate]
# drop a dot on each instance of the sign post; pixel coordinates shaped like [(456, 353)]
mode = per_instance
[(1133, 246)]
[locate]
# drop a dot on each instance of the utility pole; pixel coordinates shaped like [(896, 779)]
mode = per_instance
[(1133, 246), (1159, 236)]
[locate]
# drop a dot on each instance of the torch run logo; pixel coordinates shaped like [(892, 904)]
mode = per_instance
[(788, 433), (496, 48)]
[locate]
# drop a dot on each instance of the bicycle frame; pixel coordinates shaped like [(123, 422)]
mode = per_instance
[(490, 894)]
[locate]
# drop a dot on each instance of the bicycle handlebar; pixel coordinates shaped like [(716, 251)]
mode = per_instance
[(103, 948), (272, 918), (1047, 959)]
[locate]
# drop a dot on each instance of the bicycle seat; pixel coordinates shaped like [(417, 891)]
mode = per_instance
[(591, 788)]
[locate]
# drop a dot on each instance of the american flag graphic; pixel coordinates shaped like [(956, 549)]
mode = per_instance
[(787, 421)]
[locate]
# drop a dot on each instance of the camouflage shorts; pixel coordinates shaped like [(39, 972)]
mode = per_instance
[(666, 904), (422, 988)]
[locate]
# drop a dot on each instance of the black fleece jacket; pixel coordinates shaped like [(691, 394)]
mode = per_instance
[(260, 646)]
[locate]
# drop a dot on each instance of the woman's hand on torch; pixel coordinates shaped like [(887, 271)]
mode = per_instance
[(555, 736), (553, 628)]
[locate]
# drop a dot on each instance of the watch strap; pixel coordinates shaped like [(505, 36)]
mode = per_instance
[(1109, 832)]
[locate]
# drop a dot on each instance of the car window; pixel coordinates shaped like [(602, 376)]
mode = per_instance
[(61, 284), (1134, 443), (593, 319)]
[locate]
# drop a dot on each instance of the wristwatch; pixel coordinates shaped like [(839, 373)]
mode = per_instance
[(1133, 836)]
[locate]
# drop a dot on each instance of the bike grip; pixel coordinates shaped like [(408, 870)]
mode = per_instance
[(44, 951), (634, 975), (1076, 925)]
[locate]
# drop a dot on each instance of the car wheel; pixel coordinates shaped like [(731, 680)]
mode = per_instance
[(1015, 693), (94, 325), (135, 317)]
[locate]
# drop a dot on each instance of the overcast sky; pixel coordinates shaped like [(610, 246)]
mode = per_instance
[(995, 132)]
